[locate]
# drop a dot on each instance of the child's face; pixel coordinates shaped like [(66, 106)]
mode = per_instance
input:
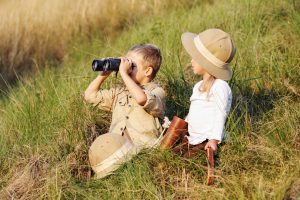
[(138, 73), (197, 69)]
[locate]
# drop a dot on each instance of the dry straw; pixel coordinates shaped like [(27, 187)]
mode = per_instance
[(34, 31)]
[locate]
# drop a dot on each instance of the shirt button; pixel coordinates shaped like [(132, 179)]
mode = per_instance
[(129, 96), (127, 117), (119, 102), (121, 129), (129, 105)]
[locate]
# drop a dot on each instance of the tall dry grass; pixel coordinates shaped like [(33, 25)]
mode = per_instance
[(33, 31)]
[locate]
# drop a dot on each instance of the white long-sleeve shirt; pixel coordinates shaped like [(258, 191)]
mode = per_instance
[(207, 114)]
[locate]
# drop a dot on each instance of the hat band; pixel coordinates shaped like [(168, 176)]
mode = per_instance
[(209, 56)]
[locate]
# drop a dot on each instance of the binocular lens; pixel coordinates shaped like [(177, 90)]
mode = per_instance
[(108, 64)]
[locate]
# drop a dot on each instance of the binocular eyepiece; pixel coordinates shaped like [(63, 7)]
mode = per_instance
[(107, 64)]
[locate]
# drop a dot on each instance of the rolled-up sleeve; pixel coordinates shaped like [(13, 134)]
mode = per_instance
[(103, 99), (155, 104)]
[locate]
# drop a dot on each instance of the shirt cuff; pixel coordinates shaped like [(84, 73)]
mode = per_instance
[(215, 138)]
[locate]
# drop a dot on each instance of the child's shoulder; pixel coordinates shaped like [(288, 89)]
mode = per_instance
[(153, 86), (197, 85), (220, 84)]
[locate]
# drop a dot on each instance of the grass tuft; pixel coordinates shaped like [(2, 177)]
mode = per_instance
[(46, 129)]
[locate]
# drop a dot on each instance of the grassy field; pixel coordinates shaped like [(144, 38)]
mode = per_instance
[(46, 128), (35, 32)]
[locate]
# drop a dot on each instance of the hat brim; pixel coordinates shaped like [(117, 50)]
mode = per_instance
[(114, 164), (105, 158), (187, 40)]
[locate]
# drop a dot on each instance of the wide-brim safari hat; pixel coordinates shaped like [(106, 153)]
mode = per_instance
[(213, 49), (108, 152)]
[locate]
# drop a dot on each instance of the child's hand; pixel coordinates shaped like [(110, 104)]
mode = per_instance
[(125, 66), (105, 74), (213, 144)]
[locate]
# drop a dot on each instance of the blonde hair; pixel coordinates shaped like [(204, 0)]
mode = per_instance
[(151, 56), (207, 84)]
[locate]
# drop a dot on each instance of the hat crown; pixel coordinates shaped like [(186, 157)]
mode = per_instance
[(104, 146), (218, 43)]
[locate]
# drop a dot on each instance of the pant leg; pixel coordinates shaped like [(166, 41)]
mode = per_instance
[(181, 148), (193, 150)]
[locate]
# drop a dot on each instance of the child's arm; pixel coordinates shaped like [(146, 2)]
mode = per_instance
[(137, 92), (103, 99), (155, 104), (222, 96), (95, 85)]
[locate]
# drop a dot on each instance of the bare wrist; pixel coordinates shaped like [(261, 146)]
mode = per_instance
[(123, 73)]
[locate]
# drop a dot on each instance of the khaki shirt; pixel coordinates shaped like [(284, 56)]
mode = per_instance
[(138, 122)]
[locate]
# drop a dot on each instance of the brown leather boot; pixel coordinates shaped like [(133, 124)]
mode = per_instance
[(181, 149), (193, 150), (176, 131), (210, 166)]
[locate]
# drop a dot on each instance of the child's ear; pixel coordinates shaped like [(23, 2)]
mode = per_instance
[(149, 71)]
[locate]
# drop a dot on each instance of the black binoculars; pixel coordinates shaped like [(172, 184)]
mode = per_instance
[(107, 64)]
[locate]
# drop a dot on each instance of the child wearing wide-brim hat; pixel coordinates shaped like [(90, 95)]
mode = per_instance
[(211, 51)]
